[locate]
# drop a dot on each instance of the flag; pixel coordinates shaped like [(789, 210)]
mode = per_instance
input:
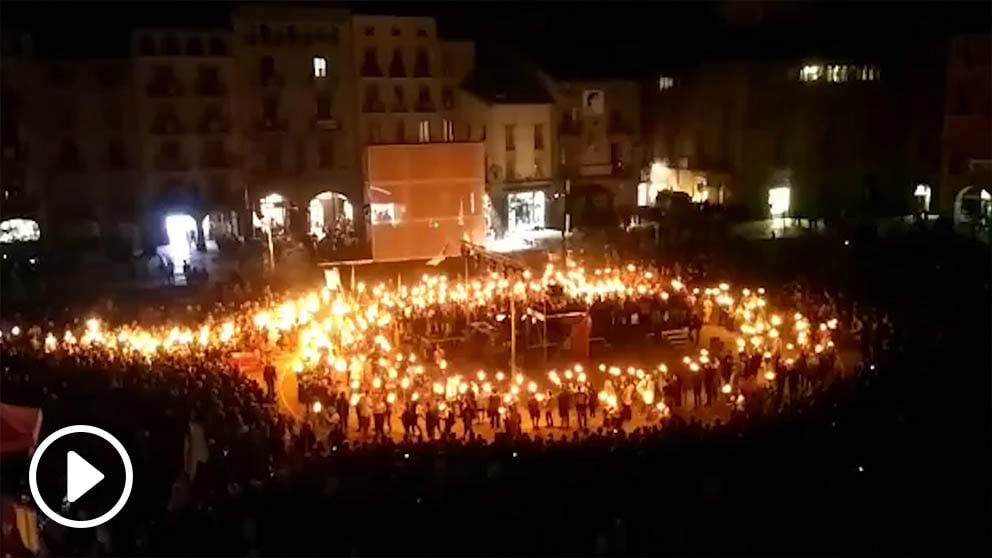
[(433, 262)]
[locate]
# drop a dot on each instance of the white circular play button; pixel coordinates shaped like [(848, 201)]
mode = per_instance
[(70, 477)]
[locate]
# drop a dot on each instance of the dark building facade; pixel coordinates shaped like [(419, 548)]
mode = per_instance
[(847, 136), (966, 139)]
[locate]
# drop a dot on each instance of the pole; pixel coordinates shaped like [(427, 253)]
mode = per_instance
[(272, 251), (545, 331), (568, 224), (352, 277), (513, 335)]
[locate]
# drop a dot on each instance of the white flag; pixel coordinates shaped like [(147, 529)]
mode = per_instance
[(435, 260)]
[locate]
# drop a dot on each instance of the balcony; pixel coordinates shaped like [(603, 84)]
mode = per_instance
[(272, 125), (211, 89), (422, 70), (164, 89), (397, 69), (399, 106)]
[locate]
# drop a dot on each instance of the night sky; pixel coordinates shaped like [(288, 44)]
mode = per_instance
[(570, 39)]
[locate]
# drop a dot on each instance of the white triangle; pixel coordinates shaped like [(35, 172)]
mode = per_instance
[(80, 476)]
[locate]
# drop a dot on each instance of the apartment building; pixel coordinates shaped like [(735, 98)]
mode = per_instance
[(296, 99), (221, 133), (68, 153), (190, 150), (517, 118), (843, 136), (599, 135), (966, 141)]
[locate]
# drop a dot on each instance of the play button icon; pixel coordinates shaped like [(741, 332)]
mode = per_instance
[(87, 472), (80, 476)]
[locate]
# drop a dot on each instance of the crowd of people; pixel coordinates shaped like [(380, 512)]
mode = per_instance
[(224, 472)]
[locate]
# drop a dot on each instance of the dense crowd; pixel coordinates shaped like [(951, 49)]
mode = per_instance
[(223, 473)]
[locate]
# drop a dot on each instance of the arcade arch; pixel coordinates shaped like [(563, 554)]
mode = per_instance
[(330, 213)]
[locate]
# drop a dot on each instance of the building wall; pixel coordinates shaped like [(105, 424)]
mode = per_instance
[(966, 141), (396, 94), (434, 195), (531, 158), (851, 137), (23, 194), (69, 149), (190, 150), (299, 123), (600, 143)]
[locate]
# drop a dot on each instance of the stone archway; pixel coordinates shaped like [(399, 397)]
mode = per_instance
[(330, 213), (972, 204)]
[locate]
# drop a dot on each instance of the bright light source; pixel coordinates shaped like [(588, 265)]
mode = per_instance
[(19, 230), (526, 211), (665, 83), (985, 195), (811, 72), (273, 210), (319, 67), (778, 200), (658, 180), (181, 232), (922, 194), (659, 173)]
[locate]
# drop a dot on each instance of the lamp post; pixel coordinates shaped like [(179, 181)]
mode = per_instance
[(568, 223), (272, 251)]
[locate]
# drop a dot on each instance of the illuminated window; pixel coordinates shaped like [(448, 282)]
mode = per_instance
[(811, 72), (449, 130), (665, 83), (424, 131), (837, 73), (319, 67), (779, 200), (19, 230), (383, 213)]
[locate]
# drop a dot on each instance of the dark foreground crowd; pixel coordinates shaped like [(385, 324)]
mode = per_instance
[(884, 462)]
